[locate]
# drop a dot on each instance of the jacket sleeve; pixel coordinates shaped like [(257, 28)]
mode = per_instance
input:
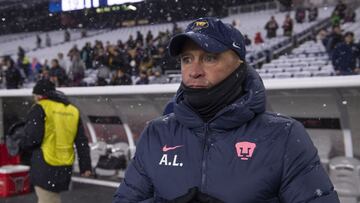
[(34, 129), (303, 177), (82, 148), (136, 186), (335, 58)]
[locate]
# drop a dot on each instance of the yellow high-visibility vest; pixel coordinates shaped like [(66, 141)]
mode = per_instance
[(61, 125)]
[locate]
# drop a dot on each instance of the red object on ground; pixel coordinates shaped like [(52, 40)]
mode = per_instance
[(6, 159), (14, 180)]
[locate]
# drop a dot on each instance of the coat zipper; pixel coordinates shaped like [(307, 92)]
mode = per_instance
[(204, 159)]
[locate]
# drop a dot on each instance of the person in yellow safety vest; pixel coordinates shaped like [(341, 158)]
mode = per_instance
[(52, 127)]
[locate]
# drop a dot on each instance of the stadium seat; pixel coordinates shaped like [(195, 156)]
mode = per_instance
[(266, 75), (260, 71), (284, 65), (269, 65), (311, 68), (348, 200), (319, 63), (328, 68), (344, 173), (283, 75), (302, 74), (275, 70), (324, 72), (300, 64), (294, 69)]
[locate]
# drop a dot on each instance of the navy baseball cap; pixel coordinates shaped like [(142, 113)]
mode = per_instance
[(212, 35)]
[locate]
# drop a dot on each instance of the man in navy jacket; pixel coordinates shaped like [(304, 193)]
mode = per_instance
[(220, 145), (345, 56)]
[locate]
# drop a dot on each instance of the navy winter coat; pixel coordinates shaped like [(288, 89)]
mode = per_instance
[(242, 155), (344, 58)]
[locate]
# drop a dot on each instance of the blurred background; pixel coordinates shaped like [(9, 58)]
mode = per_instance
[(110, 57)]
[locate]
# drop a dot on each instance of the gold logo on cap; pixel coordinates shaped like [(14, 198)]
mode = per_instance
[(200, 25)]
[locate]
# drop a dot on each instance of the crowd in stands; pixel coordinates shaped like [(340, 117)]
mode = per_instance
[(272, 25), (143, 59), (19, 17), (139, 60), (340, 45)]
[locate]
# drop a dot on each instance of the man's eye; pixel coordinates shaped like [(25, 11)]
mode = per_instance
[(185, 59), (210, 58)]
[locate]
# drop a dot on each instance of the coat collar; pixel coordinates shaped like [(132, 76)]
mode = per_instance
[(233, 116)]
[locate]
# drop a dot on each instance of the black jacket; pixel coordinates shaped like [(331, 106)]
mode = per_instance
[(344, 58), (52, 178), (13, 78), (124, 80)]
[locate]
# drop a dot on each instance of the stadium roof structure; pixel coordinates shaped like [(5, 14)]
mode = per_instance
[(4, 4)]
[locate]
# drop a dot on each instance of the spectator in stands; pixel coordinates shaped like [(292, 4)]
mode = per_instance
[(271, 27), (334, 38), (2, 72), (62, 62), (288, 26), (67, 36), (163, 38), (38, 41), (258, 38), (139, 38), (345, 56), (121, 78), (44, 74), (13, 78), (146, 63), (350, 16), (142, 79), (83, 33), (149, 36), (247, 40), (313, 13), (20, 53), (35, 68), (87, 55), (300, 15), (76, 71), (24, 66), (99, 51), (150, 49), (131, 42), (176, 29), (219, 144), (341, 9), (73, 51), (57, 74), (163, 60), (53, 130), (47, 40), (45, 64), (103, 75), (321, 36), (335, 18), (158, 78)]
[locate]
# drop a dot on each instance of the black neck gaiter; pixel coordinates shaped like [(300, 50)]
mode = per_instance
[(208, 102)]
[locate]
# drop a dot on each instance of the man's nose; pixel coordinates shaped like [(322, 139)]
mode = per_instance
[(196, 70)]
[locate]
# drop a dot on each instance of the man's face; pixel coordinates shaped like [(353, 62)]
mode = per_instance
[(348, 39), (201, 69), (337, 30), (36, 98), (53, 63)]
